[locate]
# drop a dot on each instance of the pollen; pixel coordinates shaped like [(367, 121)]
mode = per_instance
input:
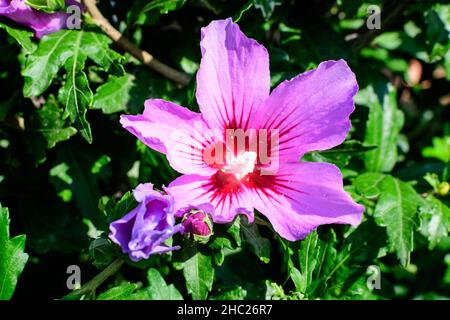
[(240, 165)]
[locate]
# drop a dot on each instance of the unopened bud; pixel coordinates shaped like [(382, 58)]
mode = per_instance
[(443, 188), (197, 225)]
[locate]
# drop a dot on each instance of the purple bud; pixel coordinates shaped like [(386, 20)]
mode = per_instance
[(197, 224)]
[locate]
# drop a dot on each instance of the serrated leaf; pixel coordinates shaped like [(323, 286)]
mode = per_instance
[(396, 210), (383, 128), (114, 95), (43, 65), (12, 257), (158, 288), (76, 95), (198, 272), (23, 37), (122, 292), (55, 49)]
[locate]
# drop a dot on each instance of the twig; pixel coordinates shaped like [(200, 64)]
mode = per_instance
[(145, 57), (90, 287)]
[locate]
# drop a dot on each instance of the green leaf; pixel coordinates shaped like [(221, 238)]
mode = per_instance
[(396, 210), (258, 244), (43, 65), (434, 220), (267, 7), (164, 6), (308, 254), (103, 252), (13, 258), (114, 95), (234, 230), (23, 37), (122, 292), (55, 49), (433, 180), (47, 6), (198, 272), (308, 260), (326, 260), (368, 184), (440, 149), (383, 128), (225, 239), (237, 293), (142, 11), (71, 49), (76, 96), (158, 288), (438, 25), (48, 122), (115, 210)]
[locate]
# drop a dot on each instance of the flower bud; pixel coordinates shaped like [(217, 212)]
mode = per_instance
[(443, 188), (197, 225)]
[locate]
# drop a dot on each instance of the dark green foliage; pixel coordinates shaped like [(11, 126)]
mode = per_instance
[(68, 167)]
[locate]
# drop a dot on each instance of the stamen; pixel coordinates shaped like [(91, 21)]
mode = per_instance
[(241, 165)]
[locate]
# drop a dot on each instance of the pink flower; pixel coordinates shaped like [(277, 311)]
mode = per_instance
[(42, 23), (309, 112)]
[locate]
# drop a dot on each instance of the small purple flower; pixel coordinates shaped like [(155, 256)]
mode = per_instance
[(42, 23), (197, 222), (143, 231)]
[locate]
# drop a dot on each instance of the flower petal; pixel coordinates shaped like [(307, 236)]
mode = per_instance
[(42, 23), (311, 111), (176, 131), (303, 196), (120, 230), (195, 190), (233, 79)]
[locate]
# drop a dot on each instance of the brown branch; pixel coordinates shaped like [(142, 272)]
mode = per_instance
[(145, 57)]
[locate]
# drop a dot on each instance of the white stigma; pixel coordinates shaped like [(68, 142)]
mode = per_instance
[(241, 165)]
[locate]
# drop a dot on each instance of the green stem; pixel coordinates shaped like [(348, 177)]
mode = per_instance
[(90, 287)]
